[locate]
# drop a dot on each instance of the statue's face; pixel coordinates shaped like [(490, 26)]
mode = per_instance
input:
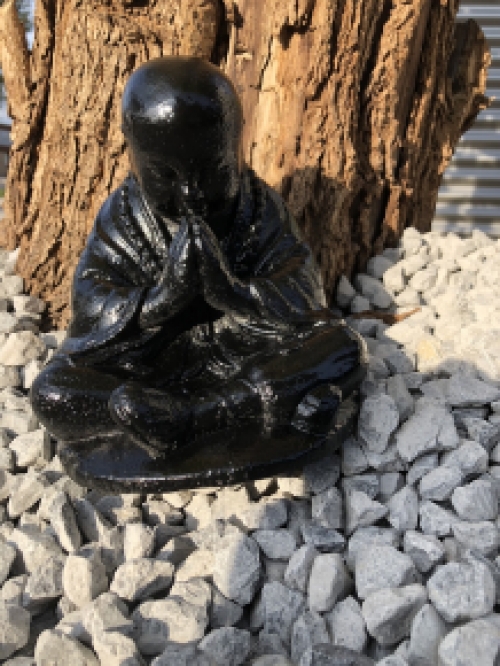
[(184, 163), (182, 120)]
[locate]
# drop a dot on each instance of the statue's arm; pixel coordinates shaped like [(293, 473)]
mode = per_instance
[(178, 285), (284, 290)]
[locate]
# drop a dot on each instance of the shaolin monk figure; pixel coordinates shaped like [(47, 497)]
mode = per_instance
[(200, 346)]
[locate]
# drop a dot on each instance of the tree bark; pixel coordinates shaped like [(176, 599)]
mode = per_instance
[(352, 107)]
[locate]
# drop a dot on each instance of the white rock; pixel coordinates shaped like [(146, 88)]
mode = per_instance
[(396, 389), (431, 428), (10, 376), (14, 629), (26, 494), (12, 285), (425, 550), (139, 579), (157, 623), (411, 241), (31, 447), (389, 613), (382, 567), (439, 484), (353, 458), (195, 591), (328, 509), (12, 590), (378, 265), (367, 538), (43, 586), (362, 511), (359, 304), (227, 645), (176, 550), (276, 544), (237, 568), (436, 520), (308, 630), (470, 457), (483, 536), (7, 460), (425, 279), (63, 520), (24, 304), (476, 644), (329, 582), (7, 557), (119, 510), (345, 292), (409, 297), (462, 591), (91, 523), (230, 502), (394, 279), (476, 501), (138, 541), (421, 466), (281, 607), (19, 422), (378, 419), (33, 548), (484, 432), (403, 509), (84, 577), (56, 649), (390, 483), (267, 514), (30, 372), (115, 649), (299, 567), (224, 612), (198, 513), (347, 626), (158, 512), (199, 563), (365, 483), (464, 390), (20, 348), (427, 632)]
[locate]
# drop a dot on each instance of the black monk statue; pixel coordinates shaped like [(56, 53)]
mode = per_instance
[(200, 350)]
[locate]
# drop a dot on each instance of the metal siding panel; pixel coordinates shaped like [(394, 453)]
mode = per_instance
[(470, 194)]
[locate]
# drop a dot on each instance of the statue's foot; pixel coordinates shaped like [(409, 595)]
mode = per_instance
[(163, 422), (316, 412), (155, 420)]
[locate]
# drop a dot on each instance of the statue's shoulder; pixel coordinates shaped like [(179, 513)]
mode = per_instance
[(275, 211), (110, 215)]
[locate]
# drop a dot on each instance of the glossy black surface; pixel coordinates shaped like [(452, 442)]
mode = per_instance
[(117, 464), (200, 334)]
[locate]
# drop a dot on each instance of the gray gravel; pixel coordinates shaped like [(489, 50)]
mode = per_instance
[(387, 552)]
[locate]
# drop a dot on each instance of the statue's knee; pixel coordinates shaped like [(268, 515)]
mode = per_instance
[(45, 393)]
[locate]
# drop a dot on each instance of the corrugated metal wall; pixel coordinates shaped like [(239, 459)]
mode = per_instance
[(470, 194)]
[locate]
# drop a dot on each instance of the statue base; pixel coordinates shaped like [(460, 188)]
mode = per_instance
[(117, 465)]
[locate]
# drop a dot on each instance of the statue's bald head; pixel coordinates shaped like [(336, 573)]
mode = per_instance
[(182, 117)]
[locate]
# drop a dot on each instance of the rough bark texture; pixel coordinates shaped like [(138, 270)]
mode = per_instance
[(352, 107)]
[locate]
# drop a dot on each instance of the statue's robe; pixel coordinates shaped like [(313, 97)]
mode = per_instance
[(207, 354), (126, 253)]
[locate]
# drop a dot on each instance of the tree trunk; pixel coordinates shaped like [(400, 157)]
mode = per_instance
[(352, 107)]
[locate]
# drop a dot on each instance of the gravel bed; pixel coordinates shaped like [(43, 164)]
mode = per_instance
[(387, 553)]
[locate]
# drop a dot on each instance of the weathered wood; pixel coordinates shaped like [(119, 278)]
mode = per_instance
[(352, 108)]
